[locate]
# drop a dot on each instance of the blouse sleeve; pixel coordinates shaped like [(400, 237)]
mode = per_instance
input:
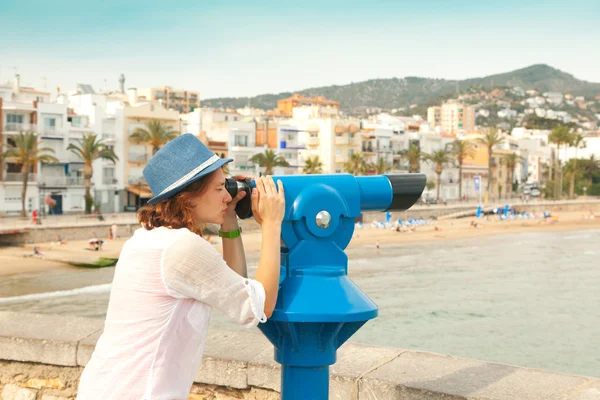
[(192, 268)]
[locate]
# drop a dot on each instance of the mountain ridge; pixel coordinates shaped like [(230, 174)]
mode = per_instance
[(390, 93)]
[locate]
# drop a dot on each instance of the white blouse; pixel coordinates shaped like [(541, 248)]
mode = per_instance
[(166, 283)]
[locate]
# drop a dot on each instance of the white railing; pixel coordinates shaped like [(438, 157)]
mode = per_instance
[(108, 136), (136, 180), (62, 181), (342, 140), (109, 180), (51, 131), (312, 141), (18, 177), (19, 126), (136, 157)]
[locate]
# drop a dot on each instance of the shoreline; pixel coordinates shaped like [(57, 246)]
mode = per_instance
[(18, 259)]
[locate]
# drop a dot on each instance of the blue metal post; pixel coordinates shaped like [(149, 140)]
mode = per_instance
[(301, 383)]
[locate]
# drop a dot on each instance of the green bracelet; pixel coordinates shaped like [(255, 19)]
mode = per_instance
[(230, 235)]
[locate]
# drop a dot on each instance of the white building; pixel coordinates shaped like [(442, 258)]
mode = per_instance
[(237, 131), (507, 113), (104, 116), (18, 113), (555, 98), (57, 126), (591, 147), (430, 143)]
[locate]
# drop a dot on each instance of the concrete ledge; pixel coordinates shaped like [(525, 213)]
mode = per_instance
[(243, 360), (417, 375), (47, 339)]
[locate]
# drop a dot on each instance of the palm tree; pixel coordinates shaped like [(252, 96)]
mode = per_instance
[(313, 166), (511, 160), (590, 167), (462, 149), (27, 153), (578, 143), (560, 135), (440, 158), (156, 134), (91, 148), (357, 164), (414, 155), (491, 138), (380, 166), (269, 159)]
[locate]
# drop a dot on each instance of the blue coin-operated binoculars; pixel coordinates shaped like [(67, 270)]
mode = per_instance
[(318, 307)]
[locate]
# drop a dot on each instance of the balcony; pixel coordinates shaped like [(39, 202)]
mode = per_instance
[(368, 149), (342, 140), (51, 132), (341, 158), (18, 177), (136, 180), (108, 137), (109, 180), (137, 158), (19, 127), (313, 141), (62, 181)]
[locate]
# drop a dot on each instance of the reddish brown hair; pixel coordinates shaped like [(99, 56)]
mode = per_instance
[(175, 212)]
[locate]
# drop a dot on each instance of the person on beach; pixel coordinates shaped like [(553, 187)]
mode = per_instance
[(95, 244), (114, 231), (169, 278)]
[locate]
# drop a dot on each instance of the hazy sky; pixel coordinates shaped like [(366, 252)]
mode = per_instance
[(249, 47)]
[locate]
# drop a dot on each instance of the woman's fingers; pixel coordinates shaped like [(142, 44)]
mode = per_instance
[(254, 204), (270, 186), (280, 191), (260, 185)]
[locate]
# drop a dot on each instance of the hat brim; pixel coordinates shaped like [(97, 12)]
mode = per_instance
[(163, 196)]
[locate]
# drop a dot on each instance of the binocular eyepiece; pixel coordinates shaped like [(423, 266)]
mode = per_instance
[(393, 192)]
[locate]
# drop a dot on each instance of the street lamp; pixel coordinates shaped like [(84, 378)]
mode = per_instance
[(42, 187)]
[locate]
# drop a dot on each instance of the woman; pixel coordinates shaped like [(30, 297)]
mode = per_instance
[(168, 278)]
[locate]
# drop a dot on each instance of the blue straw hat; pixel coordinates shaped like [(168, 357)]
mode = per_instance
[(179, 163)]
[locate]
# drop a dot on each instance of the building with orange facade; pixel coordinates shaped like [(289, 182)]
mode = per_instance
[(286, 106)]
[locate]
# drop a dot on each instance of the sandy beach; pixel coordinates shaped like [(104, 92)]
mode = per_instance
[(19, 259)]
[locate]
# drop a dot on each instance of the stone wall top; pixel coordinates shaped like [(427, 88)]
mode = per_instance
[(244, 359)]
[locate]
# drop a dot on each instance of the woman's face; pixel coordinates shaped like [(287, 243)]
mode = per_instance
[(211, 205)]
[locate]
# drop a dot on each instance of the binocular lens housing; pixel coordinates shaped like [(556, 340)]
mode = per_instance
[(403, 191)]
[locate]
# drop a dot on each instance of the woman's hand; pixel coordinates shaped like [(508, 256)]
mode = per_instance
[(230, 216), (268, 203)]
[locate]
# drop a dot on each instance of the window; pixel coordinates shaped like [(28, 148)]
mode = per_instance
[(50, 123), (14, 118), (240, 140), (226, 118)]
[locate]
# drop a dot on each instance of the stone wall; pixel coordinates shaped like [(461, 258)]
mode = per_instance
[(84, 231), (42, 356)]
